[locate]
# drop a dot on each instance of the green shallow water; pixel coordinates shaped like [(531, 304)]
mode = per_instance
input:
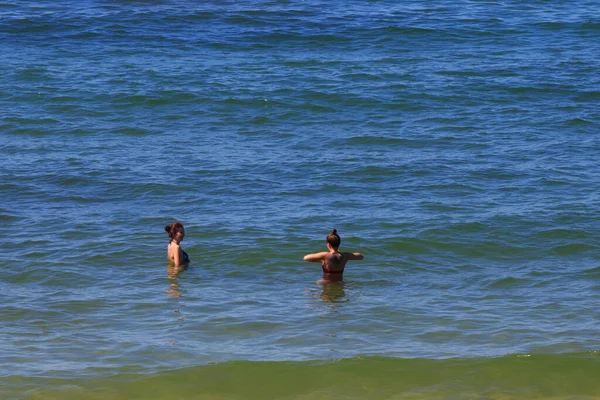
[(542, 376)]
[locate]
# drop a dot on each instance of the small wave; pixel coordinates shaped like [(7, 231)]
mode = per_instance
[(5, 214), (562, 26), (573, 248), (370, 173), (553, 182), (578, 122), (588, 95), (7, 218), (247, 20), (560, 233), (592, 273), (383, 141), (507, 282), (30, 275), (260, 120), (193, 16), (361, 77), (133, 131), (32, 121), (311, 62), (535, 90)]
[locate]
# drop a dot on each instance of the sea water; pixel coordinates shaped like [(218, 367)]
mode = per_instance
[(453, 143)]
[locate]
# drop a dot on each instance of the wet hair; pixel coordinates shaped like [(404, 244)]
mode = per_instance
[(173, 229), (334, 239)]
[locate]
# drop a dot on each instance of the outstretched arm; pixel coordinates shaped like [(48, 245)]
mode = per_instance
[(315, 257), (353, 256)]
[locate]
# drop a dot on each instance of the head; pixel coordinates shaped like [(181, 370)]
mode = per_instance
[(333, 240), (176, 231)]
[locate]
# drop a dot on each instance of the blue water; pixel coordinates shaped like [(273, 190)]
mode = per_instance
[(454, 144)]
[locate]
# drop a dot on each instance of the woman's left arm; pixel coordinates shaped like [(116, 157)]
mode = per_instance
[(353, 256)]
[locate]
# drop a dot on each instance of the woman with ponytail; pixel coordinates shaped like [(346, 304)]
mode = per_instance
[(175, 254), (332, 261)]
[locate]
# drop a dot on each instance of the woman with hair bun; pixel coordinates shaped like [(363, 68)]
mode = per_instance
[(332, 261), (175, 254)]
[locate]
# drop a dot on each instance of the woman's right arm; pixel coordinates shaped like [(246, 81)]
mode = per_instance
[(315, 257)]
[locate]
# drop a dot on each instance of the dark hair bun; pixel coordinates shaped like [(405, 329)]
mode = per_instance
[(334, 231), (167, 228)]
